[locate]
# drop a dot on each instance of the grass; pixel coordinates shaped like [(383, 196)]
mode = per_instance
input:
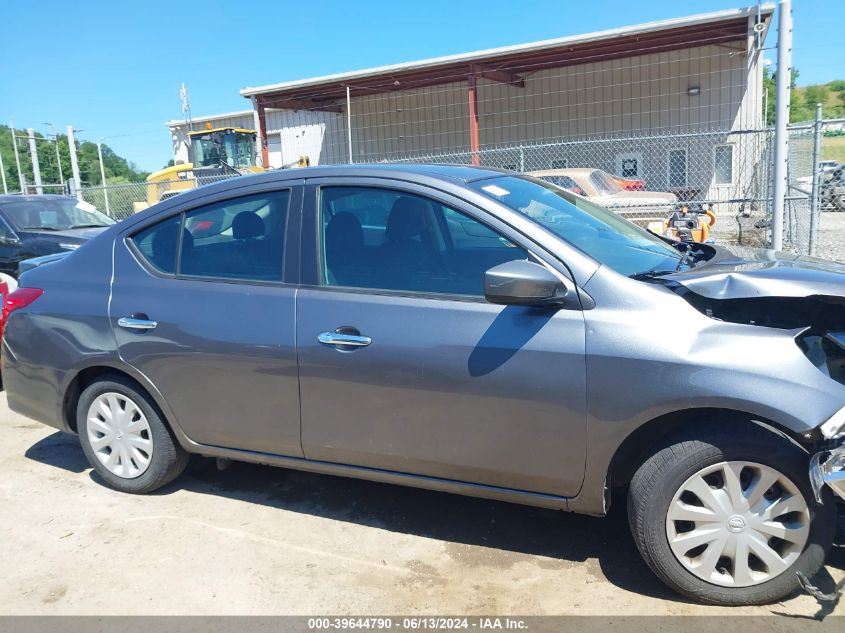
[(833, 148), (831, 100)]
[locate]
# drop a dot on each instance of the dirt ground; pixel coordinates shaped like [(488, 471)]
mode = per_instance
[(260, 540)]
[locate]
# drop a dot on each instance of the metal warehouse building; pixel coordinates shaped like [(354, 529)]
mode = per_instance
[(678, 103)]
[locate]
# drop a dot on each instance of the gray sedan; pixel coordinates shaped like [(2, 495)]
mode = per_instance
[(459, 329)]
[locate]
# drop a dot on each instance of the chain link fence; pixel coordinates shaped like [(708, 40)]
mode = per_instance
[(816, 184), (726, 170), (643, 177), (120, 201)]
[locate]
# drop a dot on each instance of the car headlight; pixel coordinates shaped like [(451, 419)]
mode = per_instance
[(65, 246), (834, 428)]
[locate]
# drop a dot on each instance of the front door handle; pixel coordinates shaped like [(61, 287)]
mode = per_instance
[(340, 339), (131, 323)]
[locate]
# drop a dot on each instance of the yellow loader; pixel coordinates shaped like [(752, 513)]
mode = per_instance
[(215, 153)]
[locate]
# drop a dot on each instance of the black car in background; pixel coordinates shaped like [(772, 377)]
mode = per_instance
[(33, 226)]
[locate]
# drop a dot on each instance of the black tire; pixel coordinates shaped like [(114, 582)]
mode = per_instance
[(168, 458), (658, 479)]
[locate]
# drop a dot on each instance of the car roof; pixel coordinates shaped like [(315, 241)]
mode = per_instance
[(412, 172), (462, 173)]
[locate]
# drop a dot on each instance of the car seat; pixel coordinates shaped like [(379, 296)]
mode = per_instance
[(345, 250)]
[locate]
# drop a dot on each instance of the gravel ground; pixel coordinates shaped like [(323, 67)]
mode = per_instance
[(832, 236), (260, 540)]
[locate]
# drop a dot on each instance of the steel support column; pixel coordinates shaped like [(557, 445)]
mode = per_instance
[(781, 154), (815, 202), (262, 133), (474, 138)]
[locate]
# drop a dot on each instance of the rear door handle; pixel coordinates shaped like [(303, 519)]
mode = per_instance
[(338, 338), (136, 324)]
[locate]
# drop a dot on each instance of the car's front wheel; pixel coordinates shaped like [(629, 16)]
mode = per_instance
[(124, 437), (730, 517)]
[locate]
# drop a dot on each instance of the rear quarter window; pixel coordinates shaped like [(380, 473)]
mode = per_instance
[(159, 242)]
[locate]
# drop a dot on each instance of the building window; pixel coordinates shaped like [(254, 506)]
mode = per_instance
[(560, 163), (723, 168), (629, 168), (677, 168), (629, 165)]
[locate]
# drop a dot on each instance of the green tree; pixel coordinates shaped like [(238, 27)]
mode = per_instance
[(770, 91), (117, 168), (798, 110)]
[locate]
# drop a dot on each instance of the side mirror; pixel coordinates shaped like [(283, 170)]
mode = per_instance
[(524, 283), (8, 240)]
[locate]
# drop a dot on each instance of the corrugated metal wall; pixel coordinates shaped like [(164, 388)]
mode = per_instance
[(643, 94), (295, 133)]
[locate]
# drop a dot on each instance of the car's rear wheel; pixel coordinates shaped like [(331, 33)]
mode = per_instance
[(125, 439), (729, 518)]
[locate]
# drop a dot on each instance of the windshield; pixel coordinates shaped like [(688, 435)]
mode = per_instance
[(236, 149), (604, 183), (601, 234), (52, 214)]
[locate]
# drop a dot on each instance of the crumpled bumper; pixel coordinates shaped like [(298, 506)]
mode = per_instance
[(827, 468)]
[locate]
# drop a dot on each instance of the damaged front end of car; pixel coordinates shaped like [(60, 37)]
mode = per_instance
[(820, 325), (804, 296)]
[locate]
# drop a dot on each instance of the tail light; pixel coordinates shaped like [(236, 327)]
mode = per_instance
[(18, 299)]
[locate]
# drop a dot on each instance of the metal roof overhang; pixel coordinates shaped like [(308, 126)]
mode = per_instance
[(509, 64)]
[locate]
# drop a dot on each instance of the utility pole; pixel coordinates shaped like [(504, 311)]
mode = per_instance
[(74, 164), (3, 172), (58, 156), (103, 173), (783, 86), (186, 105), (21, 178), (36, 168)]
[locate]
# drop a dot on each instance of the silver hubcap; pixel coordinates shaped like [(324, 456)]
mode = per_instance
[(737, 524), (120, 435)]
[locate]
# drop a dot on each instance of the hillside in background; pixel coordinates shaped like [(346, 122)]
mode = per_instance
[(831, 95), (117, 168), (802, 105)]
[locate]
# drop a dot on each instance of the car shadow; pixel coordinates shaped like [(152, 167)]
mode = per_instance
[(512, 328), (603, 544), (61, 450)]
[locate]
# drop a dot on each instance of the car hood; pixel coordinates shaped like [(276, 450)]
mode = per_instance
[(735, 273), (638, 198)]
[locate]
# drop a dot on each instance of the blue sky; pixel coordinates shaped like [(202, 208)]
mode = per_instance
[(113, 69)]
